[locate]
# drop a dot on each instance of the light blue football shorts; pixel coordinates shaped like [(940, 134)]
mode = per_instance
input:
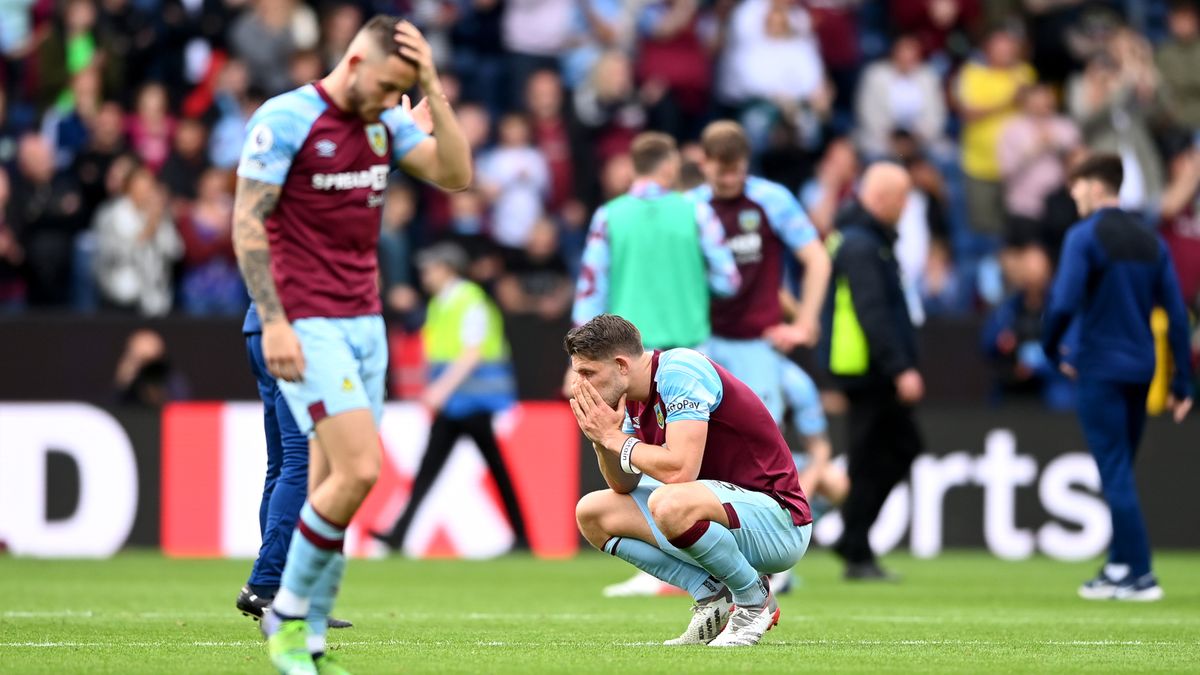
[(755, 363), (765, 533), (345, 366)]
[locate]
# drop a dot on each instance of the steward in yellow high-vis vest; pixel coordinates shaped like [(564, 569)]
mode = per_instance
[(470, 380)]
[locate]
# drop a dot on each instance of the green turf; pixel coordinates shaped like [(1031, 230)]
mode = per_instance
[(962, 612)]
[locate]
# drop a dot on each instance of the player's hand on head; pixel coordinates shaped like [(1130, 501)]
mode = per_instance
[(282, 351), (414, 46)]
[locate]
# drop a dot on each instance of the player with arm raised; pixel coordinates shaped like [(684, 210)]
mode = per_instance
[(730, 508), (306, 226)]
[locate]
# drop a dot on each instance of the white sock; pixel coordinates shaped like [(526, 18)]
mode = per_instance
[(1116, 571), (316, 644), (287, 603)]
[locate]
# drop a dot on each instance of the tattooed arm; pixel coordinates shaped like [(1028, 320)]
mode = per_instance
[(255, 201)]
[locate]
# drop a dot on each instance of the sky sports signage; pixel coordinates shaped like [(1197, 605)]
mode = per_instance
[(82, 481)]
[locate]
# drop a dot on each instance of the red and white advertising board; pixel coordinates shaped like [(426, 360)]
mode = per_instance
[(214, 460)]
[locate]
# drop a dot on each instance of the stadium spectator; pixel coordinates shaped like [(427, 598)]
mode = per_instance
[(16, 41), (772, 68), (265, 37), (899, 93), (1012, 336), (151, 126), (70, 46), (66, 127), (15, 119), (1113, 100), (1064, 34), (210, 283), (833, 186), (1176, 59), (598, 26), (536, 280), (230, 130), (673, 66), (136, 246), (875, 362), (12, 256), (515, 178), (1059, 212), (339, 24), (46, 216), (536, 34), (608, 107), (986, 96), (399, 212), (1032, 147), (945, 28), (188, 160), (478, 51), (1181, 222), (106, 141), (144, 374), (131, 36), (556, 136)]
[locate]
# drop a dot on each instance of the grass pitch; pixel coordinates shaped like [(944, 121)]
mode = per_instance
[(141, 613)]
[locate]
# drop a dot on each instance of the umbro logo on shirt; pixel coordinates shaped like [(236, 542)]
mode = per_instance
[(325, 147)]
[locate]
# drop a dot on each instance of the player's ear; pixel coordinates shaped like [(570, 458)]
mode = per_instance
[(622, 365)]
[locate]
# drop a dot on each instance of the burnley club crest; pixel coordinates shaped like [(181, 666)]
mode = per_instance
[(377, 136)]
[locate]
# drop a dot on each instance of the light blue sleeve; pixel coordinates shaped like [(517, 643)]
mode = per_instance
[(274, 135), (688, 384), (803, 398), (700, 193), (723, 276), (787, 217), (627, 425), (405, 134), (591, 290)]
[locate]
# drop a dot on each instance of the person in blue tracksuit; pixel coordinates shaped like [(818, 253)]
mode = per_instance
[(285, 487), (1112, 274)]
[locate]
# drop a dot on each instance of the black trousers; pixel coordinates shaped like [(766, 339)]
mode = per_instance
[(442, 437), (884, 441)]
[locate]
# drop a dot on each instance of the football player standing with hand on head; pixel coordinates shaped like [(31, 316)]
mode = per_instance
[(306, 228)]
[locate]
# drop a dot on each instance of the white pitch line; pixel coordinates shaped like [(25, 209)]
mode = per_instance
[(207, 644)]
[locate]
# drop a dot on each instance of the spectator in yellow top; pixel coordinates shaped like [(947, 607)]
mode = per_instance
[(986, 96)]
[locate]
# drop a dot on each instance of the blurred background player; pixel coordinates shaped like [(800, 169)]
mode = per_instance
[(472, 380), (1113, 273), (655, 238), (824, 482), (312, 176), (763, 222), (871, 348), (727, 506)]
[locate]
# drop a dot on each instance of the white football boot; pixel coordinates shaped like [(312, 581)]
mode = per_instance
[(747, 625), (708, 618)]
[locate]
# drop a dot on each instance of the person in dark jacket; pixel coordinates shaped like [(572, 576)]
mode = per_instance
[(1113, 273), (871, 349)]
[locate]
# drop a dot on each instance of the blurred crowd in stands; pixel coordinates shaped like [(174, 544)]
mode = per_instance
[(121, 124)]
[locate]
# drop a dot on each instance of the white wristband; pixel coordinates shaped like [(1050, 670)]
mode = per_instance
[(626, 453)]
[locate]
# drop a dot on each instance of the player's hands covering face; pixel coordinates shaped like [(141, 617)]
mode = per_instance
[(596, 418)]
